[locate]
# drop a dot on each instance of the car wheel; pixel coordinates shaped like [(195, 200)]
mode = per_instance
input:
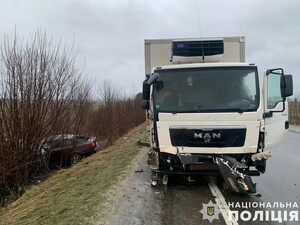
[(76, 158)]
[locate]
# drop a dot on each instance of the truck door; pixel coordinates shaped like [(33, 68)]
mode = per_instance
[(277, 87)]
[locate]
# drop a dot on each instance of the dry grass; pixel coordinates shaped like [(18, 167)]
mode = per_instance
[(72, 196)]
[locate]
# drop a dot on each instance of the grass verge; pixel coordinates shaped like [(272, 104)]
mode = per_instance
[(73, 195)]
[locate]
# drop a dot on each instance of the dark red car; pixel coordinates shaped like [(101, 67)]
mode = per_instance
[(68, 149)]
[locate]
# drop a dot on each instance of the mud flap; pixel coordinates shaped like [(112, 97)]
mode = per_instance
[(237, 181)]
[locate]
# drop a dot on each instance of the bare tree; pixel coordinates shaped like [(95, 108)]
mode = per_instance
[(39, 88), (108, 97), (42, 92), (81, 108), (115, 113), (294, 111)]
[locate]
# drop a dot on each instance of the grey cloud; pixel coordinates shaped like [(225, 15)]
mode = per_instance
[(110, 34)]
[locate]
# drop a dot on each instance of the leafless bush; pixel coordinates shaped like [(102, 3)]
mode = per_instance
[(114, 114), (41, 93), (294, 111)]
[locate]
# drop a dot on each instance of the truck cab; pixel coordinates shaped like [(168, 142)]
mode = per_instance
[(211, 113)]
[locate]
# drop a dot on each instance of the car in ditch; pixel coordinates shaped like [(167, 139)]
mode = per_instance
[(67, 149)]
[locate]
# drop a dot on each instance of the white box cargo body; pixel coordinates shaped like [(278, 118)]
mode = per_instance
[(158, 52)]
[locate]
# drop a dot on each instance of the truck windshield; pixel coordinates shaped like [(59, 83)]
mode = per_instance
[(218, 89)]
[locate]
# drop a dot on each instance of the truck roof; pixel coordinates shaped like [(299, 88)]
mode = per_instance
[(197, 65)]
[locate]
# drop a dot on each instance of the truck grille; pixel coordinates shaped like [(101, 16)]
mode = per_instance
[(200, 136)]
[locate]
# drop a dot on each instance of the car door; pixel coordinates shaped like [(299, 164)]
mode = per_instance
[(276, 107)]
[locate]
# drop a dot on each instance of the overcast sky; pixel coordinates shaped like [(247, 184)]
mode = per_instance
[(110, 34)]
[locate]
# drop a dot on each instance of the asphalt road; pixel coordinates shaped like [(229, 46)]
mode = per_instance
[(281, 182), (135, 202)]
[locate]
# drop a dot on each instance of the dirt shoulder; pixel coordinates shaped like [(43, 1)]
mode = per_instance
[(132, 198), (134, 202)]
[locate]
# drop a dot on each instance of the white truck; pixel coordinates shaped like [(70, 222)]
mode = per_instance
[(209, 112)]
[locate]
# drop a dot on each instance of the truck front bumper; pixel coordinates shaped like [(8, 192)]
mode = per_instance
[(234, 173)]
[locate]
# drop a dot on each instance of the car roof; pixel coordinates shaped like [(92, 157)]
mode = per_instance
[(60, 136)]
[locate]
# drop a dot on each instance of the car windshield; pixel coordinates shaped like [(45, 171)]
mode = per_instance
[(218, 89)]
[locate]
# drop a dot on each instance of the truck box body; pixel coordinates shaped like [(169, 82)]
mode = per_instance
[(158, 52)]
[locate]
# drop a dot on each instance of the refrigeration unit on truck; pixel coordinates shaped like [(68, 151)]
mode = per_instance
[(209, 112)]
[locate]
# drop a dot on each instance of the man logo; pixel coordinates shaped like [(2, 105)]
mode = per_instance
[(210, 210), (207, 135)]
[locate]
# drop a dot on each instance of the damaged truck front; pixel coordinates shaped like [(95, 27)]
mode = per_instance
[(211, 113)]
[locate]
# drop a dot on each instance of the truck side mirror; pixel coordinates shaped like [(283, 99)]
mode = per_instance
[(145, 105), (146, 85), (146, 90), (153, 78), (286, 84)]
